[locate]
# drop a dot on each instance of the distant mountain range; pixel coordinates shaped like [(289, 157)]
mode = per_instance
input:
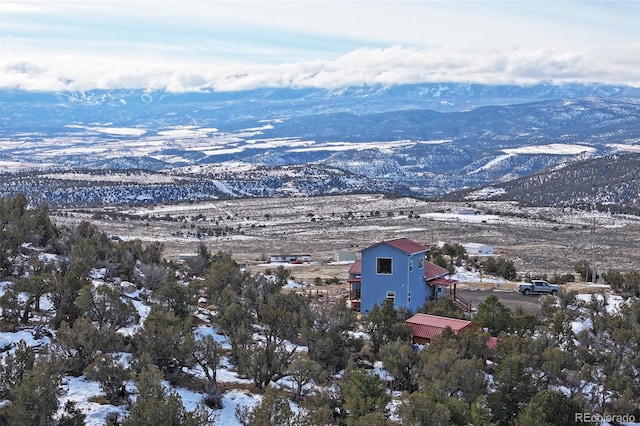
[(423, 140)]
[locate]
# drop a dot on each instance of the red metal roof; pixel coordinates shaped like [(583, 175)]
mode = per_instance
[(402, 244), (430, 326), (442, 281), (356, 268), (492, 342), (431, 271)]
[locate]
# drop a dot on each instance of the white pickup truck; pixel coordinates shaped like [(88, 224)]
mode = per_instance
[(539, 287)]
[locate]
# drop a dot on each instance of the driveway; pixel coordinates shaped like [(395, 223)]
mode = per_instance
[(510, 299)]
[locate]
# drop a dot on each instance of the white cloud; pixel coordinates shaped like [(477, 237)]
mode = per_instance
[(199, 45), (365, 66)]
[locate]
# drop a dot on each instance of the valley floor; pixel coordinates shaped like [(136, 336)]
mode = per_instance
[(537, 240)]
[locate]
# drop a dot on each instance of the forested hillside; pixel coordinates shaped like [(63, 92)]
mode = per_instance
[(609, 183), (97, 330)]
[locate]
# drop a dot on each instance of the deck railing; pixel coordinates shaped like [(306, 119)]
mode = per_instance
[(462, 303)]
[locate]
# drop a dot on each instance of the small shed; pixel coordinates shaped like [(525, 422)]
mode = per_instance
[(478, 249), (344, 256), (425, 327)]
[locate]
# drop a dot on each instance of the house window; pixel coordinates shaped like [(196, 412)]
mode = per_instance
[(408, 297), (410, 265), (421, 262), (383, 265), (391, 295)]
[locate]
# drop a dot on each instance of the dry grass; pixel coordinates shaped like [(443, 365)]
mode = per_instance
[(539, 241)]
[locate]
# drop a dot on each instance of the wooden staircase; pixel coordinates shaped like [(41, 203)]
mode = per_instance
[(461, 302)]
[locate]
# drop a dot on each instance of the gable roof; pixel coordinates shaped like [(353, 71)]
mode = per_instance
[(403, 244), (430, 326), (356, 268)]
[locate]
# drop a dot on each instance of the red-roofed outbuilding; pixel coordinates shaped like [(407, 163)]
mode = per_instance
[(425, 327)]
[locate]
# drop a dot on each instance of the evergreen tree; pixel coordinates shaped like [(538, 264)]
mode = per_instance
[(208, 355), (78, 345), (34, 401), (514, 388), (328, 336), (363, 393), (20, 224), (402, 362), (14, 365), (66, 290), (156, 405), (112, 376), (493, 315), (37, 281), (175, 298), (303, 371), (443, 307), (481, 413), (71, 415), (104, 306), (224, 281), (237, 328), (550, 408), (272, 410), (281, 319), (445, 373), (168, 340), (386, 324), (423, 408)]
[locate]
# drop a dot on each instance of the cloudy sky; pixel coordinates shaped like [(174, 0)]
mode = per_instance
[(233, 45)]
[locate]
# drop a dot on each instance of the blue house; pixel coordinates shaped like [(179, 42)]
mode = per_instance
[(398, 270)]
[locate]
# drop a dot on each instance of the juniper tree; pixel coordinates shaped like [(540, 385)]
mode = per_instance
[(79, 344), (34, 401), (386, 324), (224, 281), (168, 340), (303, 371), (493, 315), (14, 365), (280, 322), (271, 410), (550, 408), (363, 393), (514, 388), (105, 307), (156, 405), (328, 336), (402, 362), (111, 375), (237, 327), (208, 355)]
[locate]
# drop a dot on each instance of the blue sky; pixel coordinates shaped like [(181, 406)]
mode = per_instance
[(234, 45)]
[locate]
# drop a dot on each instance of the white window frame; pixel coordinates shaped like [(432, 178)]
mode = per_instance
[(391, 295), (378, 269)]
